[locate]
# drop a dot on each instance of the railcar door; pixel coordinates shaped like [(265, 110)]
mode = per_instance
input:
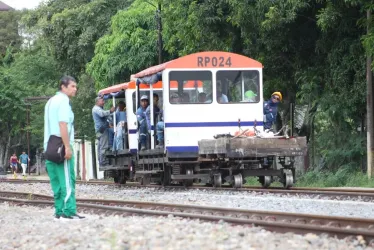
[(131, 107)]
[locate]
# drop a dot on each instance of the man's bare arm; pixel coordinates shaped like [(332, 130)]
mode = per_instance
[(65, 139), (64, 134)]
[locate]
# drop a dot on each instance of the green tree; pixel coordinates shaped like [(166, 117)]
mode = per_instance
[(130, 46), (32, 73), (9, 31), (72, 28)]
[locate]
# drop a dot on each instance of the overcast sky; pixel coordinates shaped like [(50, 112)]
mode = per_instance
[(20, 4)]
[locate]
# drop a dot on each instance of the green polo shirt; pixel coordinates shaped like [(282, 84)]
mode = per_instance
[(58, 110)]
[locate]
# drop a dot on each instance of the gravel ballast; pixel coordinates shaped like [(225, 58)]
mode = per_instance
[(34, 228), (229, 199)]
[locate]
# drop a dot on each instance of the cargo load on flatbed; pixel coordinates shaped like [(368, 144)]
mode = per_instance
[(253, 147)]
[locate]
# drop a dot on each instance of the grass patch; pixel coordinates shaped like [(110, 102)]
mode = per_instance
[(253, 181), (346, 176)]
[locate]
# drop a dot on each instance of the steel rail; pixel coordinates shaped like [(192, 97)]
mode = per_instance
[(273, 221), (333, 193)]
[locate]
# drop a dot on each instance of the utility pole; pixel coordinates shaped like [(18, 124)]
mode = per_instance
[(369, 107), (28, 110), (159, 27)]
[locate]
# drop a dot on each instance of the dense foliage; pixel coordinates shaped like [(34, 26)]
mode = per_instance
[(313, 51)]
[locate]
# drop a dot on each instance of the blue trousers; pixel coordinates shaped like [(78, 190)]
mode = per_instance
[(143, 133), (160, 131), (111, 137), (267, 125), (118, 139)]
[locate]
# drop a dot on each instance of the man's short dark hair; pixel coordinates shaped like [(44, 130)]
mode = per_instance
[(122, 102), (98, 98), (155, 95), (65, 80)]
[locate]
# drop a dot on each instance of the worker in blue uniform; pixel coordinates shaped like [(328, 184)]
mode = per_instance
[(142, 121), (156, 111), (271, 110)]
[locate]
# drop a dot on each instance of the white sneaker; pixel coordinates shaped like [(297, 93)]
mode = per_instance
[(71, 218), (77, 216)]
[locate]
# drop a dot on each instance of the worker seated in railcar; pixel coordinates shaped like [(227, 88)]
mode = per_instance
[(121, 127), (185, 98), (221, 97), (238, 86), (174, 98), (157, 115), (156, 111), (201, 97)]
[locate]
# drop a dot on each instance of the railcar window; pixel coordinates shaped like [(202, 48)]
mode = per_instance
[(190, 87), (146, 92), (238, 86)]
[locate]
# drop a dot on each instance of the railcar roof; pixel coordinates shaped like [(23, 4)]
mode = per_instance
[(200, 60), (114, 88), (208, 59)]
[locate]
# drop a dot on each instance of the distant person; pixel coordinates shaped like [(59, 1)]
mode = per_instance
[(59, 121), (13, 164), (271, 110), (24, 160)]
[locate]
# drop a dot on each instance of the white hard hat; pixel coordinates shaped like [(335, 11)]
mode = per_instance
[(144, 97)]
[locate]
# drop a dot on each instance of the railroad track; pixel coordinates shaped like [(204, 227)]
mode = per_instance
[(340, 227), (366, 195)]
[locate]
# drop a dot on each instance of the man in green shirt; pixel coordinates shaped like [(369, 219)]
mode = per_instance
[(59, 121)]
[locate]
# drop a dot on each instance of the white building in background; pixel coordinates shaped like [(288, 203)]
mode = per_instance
[(86, 164)]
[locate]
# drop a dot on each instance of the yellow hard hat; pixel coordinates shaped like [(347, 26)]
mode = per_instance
[(278, 94)]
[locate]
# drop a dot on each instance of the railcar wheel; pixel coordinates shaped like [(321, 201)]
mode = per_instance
[(122, 180), (116, 179), (189, 182), (146, 180), (217, 180), (288, 180), (237, 181), (165, 176), (266, 181)]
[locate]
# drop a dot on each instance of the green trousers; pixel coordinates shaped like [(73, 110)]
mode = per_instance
[(62, 179)]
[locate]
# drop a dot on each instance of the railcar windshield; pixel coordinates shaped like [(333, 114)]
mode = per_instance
[(238, 86), (190, 87)]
